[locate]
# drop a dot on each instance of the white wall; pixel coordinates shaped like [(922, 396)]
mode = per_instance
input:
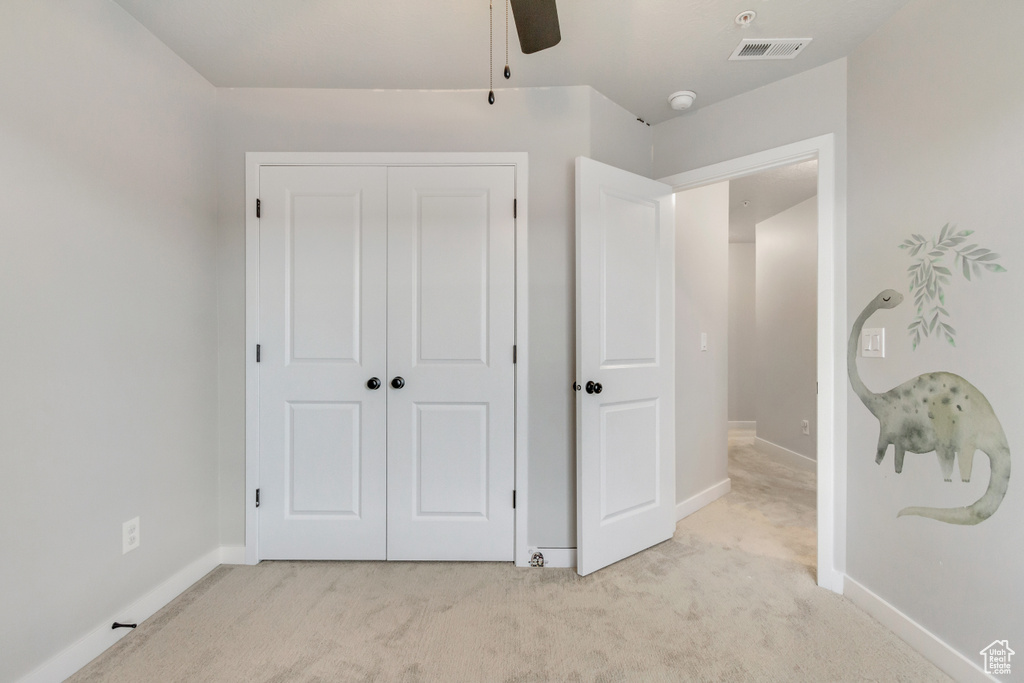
[(618, 138), (917, 158), (742, 333), (553, 125), (920, 158), (108, 324), (796, 108), (107, 320), (702, 305), (787, 327)]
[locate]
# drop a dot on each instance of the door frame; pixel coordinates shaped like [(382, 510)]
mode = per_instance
[(831, 370), (253, 162)]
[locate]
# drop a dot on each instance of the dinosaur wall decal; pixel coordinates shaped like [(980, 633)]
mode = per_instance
[(939, 412)]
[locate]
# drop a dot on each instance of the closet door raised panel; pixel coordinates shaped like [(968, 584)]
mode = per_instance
[(323, 326), (451, 302)]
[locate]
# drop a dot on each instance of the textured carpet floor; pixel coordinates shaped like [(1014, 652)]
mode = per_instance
[(731, 597)]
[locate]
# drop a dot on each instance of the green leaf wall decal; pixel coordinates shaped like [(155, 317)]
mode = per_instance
[(929, 273)]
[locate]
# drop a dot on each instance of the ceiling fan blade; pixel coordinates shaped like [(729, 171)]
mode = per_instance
[(537, 24)]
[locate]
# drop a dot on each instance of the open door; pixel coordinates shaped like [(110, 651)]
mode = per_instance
[(625, 362)]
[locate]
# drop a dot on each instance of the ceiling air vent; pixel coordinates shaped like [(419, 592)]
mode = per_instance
[(769, 48)]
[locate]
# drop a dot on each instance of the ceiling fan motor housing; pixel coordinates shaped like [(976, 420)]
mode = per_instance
[(536, 24)]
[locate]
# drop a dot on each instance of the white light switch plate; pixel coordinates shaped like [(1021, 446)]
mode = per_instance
[(872, 342)]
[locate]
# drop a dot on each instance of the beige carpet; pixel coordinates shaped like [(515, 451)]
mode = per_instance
[(731, 597)]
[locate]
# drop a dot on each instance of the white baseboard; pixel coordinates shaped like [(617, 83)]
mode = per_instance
[(557, 557), (91, 645), (939, 653), (232, 554), (832, 579), (743, 425), (708, 495), (785, 456)]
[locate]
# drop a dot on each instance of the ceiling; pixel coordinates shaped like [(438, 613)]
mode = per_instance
[(635, 52), (766, 194)]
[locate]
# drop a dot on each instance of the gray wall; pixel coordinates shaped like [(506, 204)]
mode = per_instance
[(107, 320), (796, 108), (919, 156), (787, 327), (617, 138), (110, 334), (742, 333), (702, 304), (554, 125), (804, 106), (922, 155)]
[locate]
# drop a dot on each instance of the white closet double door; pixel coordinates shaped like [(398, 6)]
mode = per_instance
[(386, 377)]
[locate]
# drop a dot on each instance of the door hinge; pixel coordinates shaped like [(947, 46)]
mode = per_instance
[(515, 208), (257, 497), (513, 499), (257, 353), (514, 354), (257, 208)]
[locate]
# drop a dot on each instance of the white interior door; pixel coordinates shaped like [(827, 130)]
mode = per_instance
[(322, 332), (451, 303), (625, 467)]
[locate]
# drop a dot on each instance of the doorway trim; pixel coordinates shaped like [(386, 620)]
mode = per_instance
[(253, 162), (831, 442)]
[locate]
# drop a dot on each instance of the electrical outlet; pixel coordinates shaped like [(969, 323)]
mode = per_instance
[(805, 427), (129, 535)]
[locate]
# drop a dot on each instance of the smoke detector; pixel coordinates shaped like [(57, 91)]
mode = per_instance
[(746, 18), (682, 100), (769, 48)]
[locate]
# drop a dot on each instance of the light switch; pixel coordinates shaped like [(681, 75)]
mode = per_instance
[(703, 341), (872, 342)]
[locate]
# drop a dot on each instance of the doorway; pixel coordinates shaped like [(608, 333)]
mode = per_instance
[(772, 312), (772, 353), (831, 324)]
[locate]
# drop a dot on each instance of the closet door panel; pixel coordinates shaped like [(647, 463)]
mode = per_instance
[(323, 327), (450, 314), (451, 302)]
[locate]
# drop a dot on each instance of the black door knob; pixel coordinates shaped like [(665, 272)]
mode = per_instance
[(594, 387), (373, 383), (398, 383), (598, 388)]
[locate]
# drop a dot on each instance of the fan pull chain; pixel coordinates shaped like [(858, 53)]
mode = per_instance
[(508, 71), (490, 95)]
